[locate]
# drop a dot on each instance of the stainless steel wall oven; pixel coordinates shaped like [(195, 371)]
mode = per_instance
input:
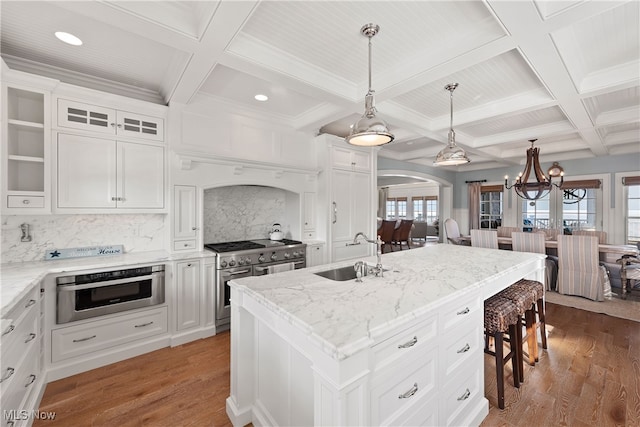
[(83, 296)]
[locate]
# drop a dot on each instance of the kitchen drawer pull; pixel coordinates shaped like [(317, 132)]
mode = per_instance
[(30, 303), (335, 212), (32, 378), (10, 372), (352, 244), (409, 343), (464, 349), (31, 337), (465, 311), (113, 199), (409, 393), (143, 325), (26, 201), (465, 396), (9, 330), (85, 339)]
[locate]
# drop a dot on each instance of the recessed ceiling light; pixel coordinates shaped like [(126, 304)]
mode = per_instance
[(261, 97), (68, 38)]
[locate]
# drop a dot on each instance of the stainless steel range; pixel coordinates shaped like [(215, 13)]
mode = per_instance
[(250, 258)]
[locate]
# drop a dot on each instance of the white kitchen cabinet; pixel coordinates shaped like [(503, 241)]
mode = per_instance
[(350, 159), (26, 134), (309, 211), (185, 217), (93, 118), (21, 369), (106, 174), (315, 254), (188, 294)]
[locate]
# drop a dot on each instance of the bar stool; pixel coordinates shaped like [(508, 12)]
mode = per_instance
[(537, 291), (500, 317)]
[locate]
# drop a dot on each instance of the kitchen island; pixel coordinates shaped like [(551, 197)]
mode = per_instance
[(403, 349)]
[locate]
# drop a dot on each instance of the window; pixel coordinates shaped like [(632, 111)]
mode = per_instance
[(425, 208), (391, 209), (535, 213), (632, 190), (396, 208), (490, 206), (402, 207)]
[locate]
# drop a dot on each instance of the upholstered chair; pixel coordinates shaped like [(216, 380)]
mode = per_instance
[(453, 232), (484, 238), (535, 242), (579, 271), (386, 234), (506, 231), (601, 235), (401, 233)]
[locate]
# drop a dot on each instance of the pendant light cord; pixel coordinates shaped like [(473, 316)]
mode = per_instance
[(369, 90)]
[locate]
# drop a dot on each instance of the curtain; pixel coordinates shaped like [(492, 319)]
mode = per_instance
[(474, 205), (383, 193)]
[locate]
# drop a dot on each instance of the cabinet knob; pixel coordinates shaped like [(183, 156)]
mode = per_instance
[(194, 228), (112, 125)]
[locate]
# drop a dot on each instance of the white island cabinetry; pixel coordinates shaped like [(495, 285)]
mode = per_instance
[(403, 349)]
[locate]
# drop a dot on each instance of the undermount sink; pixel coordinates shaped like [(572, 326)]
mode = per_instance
[(339, 274)]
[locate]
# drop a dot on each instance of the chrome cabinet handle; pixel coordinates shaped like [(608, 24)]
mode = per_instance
[(335, 212), (194, 228), (113, 199), (32, 378), (409, 343), (465, 396), (465, 311), (31, 337), (85, 339), (143, 325), (112, 125), (30, 303), (352, 244), (10, 372), (26, 201), (464, 349), (9, 330), (409, 393)]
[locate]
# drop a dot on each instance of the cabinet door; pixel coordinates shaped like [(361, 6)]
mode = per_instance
[(341, 201), (187, 294), (140, 176), (341, 158), (86, 172), (315, 255), (77, 115), (309, 207), (139, 126), (360, 190), (184, 212)]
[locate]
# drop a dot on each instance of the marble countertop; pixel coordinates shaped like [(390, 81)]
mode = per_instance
[(344, 317), (17, 279)]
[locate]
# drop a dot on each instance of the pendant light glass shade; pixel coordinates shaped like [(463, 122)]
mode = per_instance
[(451, 155), (370, 130)]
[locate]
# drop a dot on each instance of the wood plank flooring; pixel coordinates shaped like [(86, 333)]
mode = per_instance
[(589, 376)]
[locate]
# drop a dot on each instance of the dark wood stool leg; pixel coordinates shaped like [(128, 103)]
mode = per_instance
[(532, 339), (513, 345), (519, 344), (543, 322), (499, 368)]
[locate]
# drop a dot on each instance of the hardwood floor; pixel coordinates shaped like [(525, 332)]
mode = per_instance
[(589, 376)]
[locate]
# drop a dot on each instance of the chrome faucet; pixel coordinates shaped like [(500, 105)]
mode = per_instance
[(379, 243)]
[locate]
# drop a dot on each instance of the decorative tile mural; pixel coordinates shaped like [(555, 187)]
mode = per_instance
[(242, 212), (138, 233)]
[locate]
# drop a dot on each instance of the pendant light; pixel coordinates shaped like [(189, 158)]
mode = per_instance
[(533, 190), (451, 155), (369, 130)]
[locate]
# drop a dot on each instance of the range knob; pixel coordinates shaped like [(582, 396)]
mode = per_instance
[(261, 258), (301, 252), (240, 261), (274, 257), (295, 254), (287, 255), (223, 264), (247, 260), (232, 263)]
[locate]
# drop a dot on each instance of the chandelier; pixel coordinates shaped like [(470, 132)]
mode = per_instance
[(369, 130), (451, 155), (534, 190)]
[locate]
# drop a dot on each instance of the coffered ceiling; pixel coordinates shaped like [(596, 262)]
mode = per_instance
[(564, 72)]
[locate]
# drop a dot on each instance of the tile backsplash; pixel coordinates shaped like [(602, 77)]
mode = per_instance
[(242, 212), (138, 233)]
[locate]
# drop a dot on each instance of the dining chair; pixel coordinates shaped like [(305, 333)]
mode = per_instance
[(386, 234), (535, 242), (453, 232), (484, 238), (507, 231), (579, 271), (601, 235), (401, 234)]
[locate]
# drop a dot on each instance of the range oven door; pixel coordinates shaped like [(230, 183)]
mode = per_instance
[(223, 292), (262, 270)]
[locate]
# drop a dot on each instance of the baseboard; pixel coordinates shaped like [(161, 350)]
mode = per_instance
[(188, 336), (239, 417)]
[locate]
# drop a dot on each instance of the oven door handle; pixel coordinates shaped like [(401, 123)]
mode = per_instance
[(105, 283), (235, 273)]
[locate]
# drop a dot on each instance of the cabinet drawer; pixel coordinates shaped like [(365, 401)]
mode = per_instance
[(20, 319), (467, 309), (182, 245), (25, 201), (396, 389), (412, 340), (460, 394), (461, 348), (18, 390), (78, 340), (19, 345)]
